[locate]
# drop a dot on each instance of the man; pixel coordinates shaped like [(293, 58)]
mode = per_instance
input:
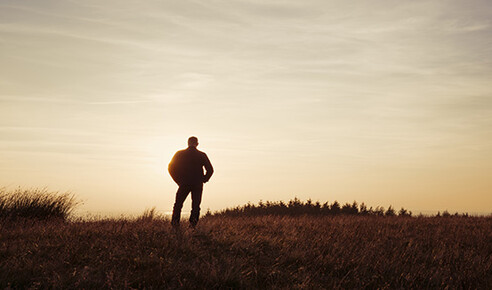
[(186, 168)]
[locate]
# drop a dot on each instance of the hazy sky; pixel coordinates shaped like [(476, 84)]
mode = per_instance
[(383, 102)]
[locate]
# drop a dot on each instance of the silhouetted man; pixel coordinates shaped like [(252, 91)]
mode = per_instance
[(186, 168)]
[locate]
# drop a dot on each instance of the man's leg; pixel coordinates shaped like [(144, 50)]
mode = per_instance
[(181, 195), (196, 199)]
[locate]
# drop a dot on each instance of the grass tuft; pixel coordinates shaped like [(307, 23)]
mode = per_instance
[(148, 215), (36, 204)]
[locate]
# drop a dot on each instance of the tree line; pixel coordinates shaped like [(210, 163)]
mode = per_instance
[(297, 207)]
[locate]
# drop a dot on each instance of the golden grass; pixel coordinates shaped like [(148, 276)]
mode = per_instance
[(249, 252), (35, 204)]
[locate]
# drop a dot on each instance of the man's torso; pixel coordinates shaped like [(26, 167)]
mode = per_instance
[(188, 166)]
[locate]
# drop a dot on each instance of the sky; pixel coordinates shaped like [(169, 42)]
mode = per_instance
[(382, 102)]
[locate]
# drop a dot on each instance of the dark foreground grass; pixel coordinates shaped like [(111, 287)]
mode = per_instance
[(253, 252)]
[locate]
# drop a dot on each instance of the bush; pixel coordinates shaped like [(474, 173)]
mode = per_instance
[(296, 207), (35, 204)]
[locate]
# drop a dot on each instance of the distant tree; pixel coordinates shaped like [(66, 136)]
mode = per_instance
[(346, 209), (317, 208), (325, 208), (379, 211), (363, 209), (355, 207), (390, 211), (308, 207), (297, 207), (350, 209), (335, 208), (282, 208), (404, 212), (295, 203)]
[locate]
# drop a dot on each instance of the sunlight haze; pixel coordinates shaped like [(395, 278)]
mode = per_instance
[(382, 102)]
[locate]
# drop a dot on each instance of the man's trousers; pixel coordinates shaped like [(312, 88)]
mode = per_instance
[(196, 198)]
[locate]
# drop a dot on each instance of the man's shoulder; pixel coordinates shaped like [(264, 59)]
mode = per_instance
[(193, 153), (202, 153), (180, 152)]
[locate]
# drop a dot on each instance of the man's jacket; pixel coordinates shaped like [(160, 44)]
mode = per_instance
[(186, 167)]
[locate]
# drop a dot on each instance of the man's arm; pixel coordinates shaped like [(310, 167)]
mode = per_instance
[(173, 168), (208, 168)]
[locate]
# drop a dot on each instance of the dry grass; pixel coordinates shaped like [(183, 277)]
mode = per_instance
[(252, 252), (35, 204)]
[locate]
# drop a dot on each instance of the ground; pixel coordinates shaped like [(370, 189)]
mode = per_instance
[(249, 252)]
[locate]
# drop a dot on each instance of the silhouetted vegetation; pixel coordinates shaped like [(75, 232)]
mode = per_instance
[(268, 245), (296, 207), (35, 204), (257, 252)]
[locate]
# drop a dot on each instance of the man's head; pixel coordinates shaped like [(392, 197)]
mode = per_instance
[(192, 141)]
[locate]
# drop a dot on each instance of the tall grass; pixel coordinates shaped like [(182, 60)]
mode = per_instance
[(148, 215), (263, 252), (36, 204)]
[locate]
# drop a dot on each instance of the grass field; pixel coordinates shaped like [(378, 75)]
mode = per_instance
[(249, 252)]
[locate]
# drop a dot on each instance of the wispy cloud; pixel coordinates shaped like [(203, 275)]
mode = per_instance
[(120, 102)]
